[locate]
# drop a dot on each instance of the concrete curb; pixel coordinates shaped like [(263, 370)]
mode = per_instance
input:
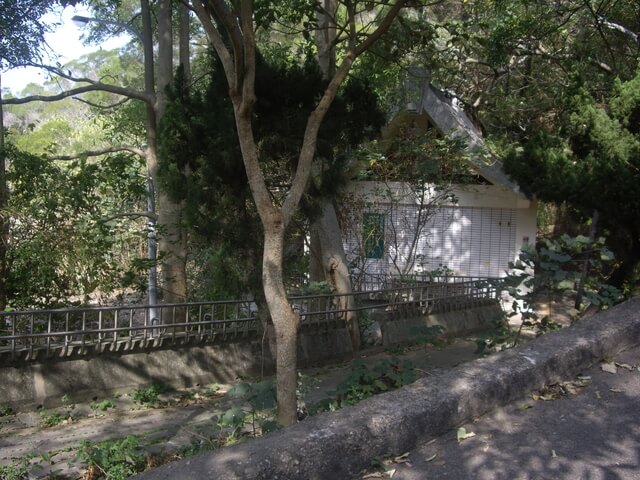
[(341, 444)]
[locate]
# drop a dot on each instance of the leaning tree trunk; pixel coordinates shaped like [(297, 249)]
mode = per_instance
[(329, 261), (329, 254)]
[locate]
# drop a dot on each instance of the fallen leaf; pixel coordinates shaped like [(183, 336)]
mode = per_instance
[(535, 396), (525, 406), (598, 394), (463, 434), (609, 367), (401, 458), (626, 366), (432, 457), (391, 473), (554, 454), (615, 390), (373, 475)]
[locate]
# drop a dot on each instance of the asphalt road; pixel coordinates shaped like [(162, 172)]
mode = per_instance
[(588, 430)]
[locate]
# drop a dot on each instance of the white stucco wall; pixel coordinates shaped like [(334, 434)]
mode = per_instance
[(477, 236)]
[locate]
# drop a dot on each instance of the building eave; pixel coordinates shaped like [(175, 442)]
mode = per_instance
[(450, 119)]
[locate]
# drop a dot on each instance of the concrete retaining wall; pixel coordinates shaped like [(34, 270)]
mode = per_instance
[(341, 444), (29, 384), (457, 323), (26, 385)]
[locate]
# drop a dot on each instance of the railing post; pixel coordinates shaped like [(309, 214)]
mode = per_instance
[(49, 334)]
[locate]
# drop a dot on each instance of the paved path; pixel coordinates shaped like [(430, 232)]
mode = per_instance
[(594, 435)]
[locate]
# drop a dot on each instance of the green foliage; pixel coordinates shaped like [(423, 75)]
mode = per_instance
[(102, 405), (113, 459), (51, 419), (202, 163), (316, 288), (258, 411), (6, 411), (500, 336), (512, 62), (364, 382), (65, 240), (555, 266), (558, 267), (22, 30), (17, 470), (415, 154), (54, 418), (427, 335), (148, 396), (592, 162), (211, 391)]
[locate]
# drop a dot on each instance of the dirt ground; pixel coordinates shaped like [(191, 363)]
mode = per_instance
[(176, 422)]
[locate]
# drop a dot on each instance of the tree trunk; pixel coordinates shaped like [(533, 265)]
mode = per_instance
[(173, 248), (325, 38), (585, 264), (172, 241), (184, 37), (328, 260), (149, 88), (231, 33), (4, 220), (285, 322), (328, 238)]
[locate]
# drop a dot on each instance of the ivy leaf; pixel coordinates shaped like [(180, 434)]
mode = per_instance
[(232, 417)]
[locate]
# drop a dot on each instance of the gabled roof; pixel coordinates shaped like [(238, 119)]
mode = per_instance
[(450, 119)]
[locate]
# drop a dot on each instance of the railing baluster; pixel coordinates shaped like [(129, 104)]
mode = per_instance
[(32, 331), (84, 328), (115, 327), (66, 329), (49, 334), (13, 334), (131, 331)]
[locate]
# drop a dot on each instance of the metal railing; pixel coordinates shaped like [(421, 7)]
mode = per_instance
[(365, 282), (61, 333)]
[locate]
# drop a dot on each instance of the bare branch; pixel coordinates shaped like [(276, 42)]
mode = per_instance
[(249, 58), (620, 28), (382, 28), (134, 215), (203, 13), (230, 23), (93, 86), (598, 23), (307, 152), (103, 107), (97, 153)]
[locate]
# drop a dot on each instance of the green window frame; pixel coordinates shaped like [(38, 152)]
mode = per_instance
[(373, 234)]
